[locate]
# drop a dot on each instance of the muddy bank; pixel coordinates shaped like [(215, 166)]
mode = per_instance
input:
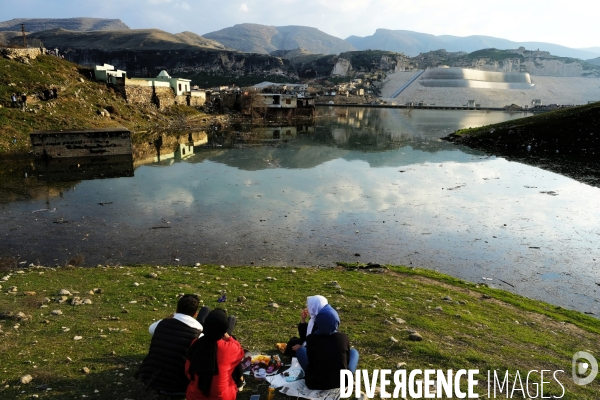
[(566, 141)]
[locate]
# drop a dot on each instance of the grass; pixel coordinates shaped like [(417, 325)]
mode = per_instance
[(572, 131), (475, 327), (78, 104)]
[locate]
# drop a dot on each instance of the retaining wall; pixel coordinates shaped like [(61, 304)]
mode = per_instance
[(81, 143), (12, 54)]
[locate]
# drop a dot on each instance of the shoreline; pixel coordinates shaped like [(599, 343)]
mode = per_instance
[(565, 141)]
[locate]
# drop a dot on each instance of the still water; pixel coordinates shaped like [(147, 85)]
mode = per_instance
[(368, 185)]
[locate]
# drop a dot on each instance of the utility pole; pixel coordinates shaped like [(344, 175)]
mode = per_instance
[(24, 37)]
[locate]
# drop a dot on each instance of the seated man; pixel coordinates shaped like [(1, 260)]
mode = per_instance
[(163, 368)]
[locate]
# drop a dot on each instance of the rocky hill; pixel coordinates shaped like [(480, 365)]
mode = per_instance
[(7, 36), (197, 40), (291, 54), (595, 61), (534, 62), (80, 102), (412, 43), (72, 24), (200, 65), (255, 38), (142, 39)]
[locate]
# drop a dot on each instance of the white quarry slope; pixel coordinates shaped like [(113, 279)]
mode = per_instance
[(551, 90), (473, 78)]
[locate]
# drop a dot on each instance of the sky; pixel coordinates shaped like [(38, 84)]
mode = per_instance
[(568, 23)]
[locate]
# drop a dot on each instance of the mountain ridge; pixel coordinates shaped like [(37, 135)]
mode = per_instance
[(264, 39), (82, 24), (412, 43), (131, 39)]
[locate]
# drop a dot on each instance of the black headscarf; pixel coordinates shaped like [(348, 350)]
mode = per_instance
[(203, 353)]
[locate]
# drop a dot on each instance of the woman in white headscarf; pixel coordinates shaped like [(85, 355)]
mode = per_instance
[(314, 304)]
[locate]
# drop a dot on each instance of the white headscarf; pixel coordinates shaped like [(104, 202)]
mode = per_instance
[(314, 304)]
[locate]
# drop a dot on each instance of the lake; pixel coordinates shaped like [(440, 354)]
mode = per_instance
[(360, 184)]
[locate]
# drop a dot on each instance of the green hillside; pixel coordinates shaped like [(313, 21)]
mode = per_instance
[(78, 105)]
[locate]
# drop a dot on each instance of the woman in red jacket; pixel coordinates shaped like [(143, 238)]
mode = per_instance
[(211, 361)]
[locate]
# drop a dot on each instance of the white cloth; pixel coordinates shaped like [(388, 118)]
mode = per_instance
[(314, 304), (186, 319)]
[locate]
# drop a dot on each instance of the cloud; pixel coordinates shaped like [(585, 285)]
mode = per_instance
[(184, 5), (244, 8)]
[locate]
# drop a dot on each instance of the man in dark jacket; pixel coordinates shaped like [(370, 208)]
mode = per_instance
[(163, 367)]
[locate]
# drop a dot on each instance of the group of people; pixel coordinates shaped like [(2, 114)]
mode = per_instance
[(54, 53), (194, 352), (18, 100), (50, 93)]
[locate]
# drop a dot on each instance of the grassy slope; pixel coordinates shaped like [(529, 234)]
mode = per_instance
[(502, 332), (565, 126), (566, 141), (77, 105)]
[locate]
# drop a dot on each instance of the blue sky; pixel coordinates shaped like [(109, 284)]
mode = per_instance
[(569, 23)]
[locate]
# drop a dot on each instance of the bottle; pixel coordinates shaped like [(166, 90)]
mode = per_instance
[(271, 393)]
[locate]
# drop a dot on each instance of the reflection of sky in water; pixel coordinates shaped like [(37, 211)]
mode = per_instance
[(412, 199)]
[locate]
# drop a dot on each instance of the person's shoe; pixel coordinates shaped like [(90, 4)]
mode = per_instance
[(241, 387)]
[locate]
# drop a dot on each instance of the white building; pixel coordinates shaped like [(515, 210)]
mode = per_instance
[(107, 73), (179, 85)]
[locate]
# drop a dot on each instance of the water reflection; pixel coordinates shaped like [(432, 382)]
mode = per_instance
[(82, 168), (167, 147), (364, 181)]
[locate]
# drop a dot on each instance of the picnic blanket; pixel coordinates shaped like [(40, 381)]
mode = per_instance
[(298, 387), (261, 365)]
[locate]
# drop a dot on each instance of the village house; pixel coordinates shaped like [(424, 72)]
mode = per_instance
[(163, 90), (180, 86), (254, 103), (275, 100), (299, 89), (107, 73)]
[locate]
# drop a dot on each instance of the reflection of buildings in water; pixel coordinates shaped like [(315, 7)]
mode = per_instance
[(305, 129), (19, 182), (260, 135), (275, 132), (340, 136), (168, 148), (354, 133), (83, 168), (45, 179)]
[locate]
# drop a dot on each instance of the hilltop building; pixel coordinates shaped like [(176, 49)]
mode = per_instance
[(163, 90)]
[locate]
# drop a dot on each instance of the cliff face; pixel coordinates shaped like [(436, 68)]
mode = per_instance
[(348, 64), (187, 62), (148, 62), (342, 67)]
